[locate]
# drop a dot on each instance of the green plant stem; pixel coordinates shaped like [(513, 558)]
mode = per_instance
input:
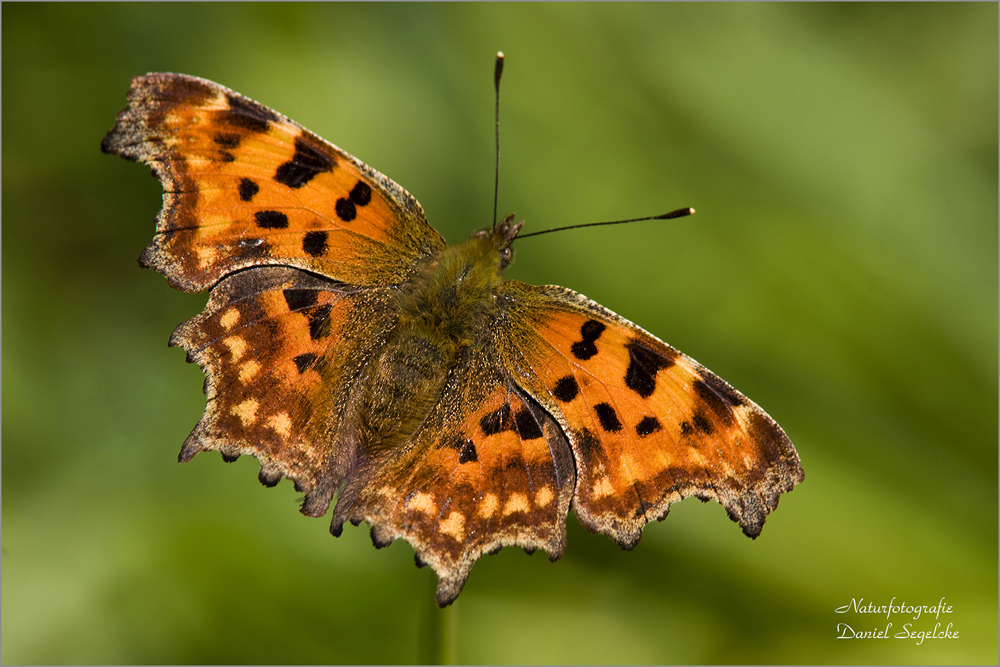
[(437, 627)]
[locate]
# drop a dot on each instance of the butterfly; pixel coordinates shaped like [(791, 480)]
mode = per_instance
[(347, 347)]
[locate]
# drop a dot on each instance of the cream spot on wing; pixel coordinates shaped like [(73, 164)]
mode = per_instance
[(229, 319), (423, 502), (488, 506), (248, 371), (602, 488), (633, 469), (454, 525), (218, 102), (518, 502), (237, 346), (206, 255), (246, 411), (281, 423), (196, 162), (544, 496)]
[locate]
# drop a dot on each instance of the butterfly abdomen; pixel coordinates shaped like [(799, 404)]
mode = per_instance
[(402, 384)]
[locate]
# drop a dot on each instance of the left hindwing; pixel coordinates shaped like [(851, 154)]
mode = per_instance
[(280, 349), (648, 425)]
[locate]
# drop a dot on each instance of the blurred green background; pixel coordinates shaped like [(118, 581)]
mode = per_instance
[(841, 271)]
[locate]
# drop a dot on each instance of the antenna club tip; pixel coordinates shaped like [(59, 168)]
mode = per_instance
[(498, 70), (679, 213)]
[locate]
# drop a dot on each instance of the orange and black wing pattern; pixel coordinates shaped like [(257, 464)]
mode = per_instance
[(245, 186), (648, 425), (280, 350), (489, 469)]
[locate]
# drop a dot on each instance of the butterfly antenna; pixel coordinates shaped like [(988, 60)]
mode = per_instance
[(497, 73), (679, 213)]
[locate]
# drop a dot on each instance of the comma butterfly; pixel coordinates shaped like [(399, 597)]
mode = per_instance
[(346, 346)]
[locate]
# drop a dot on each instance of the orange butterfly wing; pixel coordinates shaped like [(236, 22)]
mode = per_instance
[(280, 350), (245, 186), (648, 425), (488, 469)]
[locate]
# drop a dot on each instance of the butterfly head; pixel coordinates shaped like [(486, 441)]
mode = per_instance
[(450, 298), (499, 238)]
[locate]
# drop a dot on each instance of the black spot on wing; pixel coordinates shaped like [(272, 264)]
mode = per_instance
[(305, 361), (306, 162), (361, 194), (526, 425), (686, 428), (319, 321), (297, 299), (647, 426), (590, 331), (608, 417), (248, 189), (497, 421), (566, 389), (345, 209), (271, 219), (467, 454), (314, 243), (227, 139), (643, 364), (701, 423), (248, 115)]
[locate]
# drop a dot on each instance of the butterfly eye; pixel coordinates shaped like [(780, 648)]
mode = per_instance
[(506, 257)]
